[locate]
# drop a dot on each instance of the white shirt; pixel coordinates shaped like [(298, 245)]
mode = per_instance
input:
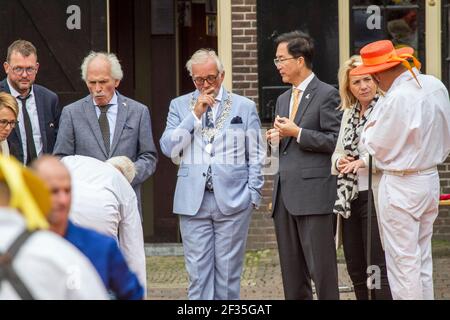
[(302, 87), (111, 115), (34, 119), (412, 125), (363, 173), (4, 149), (50, 267), (103, 200)]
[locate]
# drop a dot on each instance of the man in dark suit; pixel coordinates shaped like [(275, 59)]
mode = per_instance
[(106, 124), (305, 131), (39, 112)]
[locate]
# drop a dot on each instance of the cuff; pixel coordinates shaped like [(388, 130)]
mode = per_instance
[(299, 135)]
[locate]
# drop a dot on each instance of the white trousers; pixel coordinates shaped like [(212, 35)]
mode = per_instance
[(408, 208)]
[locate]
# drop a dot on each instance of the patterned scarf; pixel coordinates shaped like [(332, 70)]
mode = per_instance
[(347, 184)]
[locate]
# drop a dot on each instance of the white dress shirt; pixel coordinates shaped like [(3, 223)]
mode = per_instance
[(111, 115), (302, 87), (409, 129), (103, 200), (34, 119), (49, 266), (4, 149)]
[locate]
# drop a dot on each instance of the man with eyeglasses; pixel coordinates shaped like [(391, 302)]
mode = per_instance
[(39, 113), (216, 135), (107, 124), (305, 131)]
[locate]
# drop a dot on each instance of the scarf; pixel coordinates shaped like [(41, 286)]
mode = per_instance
[(347, 184)]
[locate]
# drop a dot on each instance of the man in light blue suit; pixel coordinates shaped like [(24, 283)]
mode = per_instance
[(215, 137)]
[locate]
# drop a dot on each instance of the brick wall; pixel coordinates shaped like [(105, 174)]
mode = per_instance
[(245, 82), (442, 224)]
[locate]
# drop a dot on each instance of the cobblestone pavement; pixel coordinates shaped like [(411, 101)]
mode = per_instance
[(167, 278)]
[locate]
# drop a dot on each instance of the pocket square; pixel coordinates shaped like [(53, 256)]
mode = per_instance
[(236, 119)]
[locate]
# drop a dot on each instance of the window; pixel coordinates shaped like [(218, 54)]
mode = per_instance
[(401, 21)]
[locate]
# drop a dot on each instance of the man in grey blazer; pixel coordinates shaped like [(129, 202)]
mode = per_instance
[(106, 124), (215, 136), (305, 131)]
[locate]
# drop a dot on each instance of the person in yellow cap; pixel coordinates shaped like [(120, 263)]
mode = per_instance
[(408, 134), (37, 264)]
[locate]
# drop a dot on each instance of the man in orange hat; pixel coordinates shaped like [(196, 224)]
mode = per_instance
[(408, 134)]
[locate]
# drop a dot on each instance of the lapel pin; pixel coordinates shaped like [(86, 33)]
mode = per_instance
[(307, 96)]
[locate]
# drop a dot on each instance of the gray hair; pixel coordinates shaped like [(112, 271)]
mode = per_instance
[(124, 165), (201, 56), (111, 58)]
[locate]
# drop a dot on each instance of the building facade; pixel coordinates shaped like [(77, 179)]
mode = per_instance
[(153, 39)]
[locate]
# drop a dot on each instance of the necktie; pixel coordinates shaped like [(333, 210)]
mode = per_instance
[(296, 95), (209, 118), (209, 124), (31, 148), (104, 126)]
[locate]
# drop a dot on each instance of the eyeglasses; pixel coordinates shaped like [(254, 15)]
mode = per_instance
[(4, 123), (19, 70), (277, 61), (210, 79)]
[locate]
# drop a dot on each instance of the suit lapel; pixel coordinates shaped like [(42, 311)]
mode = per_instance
[(92, 119), (284, 113), (14, 138), (304, 103), (39, 100), (122, 112), (307, 97), (221, 106)]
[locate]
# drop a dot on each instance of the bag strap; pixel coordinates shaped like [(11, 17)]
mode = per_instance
[(7, 272)]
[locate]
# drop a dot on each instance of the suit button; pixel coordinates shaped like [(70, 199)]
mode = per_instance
[(285, 153), (204, 174)]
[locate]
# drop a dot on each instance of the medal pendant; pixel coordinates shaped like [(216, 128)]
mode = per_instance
[(208, 148)]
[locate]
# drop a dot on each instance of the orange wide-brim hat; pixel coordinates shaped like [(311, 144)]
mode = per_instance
[(381, 55)]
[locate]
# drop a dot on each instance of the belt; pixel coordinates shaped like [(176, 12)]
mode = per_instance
[(409, 172)]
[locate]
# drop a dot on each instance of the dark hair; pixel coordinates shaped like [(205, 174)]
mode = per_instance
[(299, 44), (25, 48)]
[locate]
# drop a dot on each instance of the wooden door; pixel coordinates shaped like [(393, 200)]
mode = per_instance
[(61, 40)]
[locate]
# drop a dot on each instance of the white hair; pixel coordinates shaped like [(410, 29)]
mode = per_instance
[(124, 165), (201, 56), (111, 58)]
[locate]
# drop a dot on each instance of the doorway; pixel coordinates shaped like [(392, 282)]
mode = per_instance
[(153, 40)]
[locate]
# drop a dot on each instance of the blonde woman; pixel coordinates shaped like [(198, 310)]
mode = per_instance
[(9, 110), (350, 160)]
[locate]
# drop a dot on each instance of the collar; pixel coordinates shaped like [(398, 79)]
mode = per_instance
[(112, 102), (304, 84), (405, 76), (220, 95), (15, 93)]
